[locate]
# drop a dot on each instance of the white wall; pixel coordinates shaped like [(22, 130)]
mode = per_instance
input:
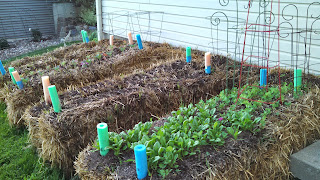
[(190, 23)]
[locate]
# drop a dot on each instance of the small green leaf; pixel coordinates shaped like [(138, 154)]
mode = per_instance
[(169, 149), (156, 158)]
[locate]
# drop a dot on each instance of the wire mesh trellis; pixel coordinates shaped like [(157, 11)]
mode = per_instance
[(132, 19), (301, 37)]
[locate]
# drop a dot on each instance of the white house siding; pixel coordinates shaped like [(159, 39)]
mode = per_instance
[(190, 23)]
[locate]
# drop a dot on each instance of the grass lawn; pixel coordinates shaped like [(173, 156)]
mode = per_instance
[(18, 159), (39, 51)]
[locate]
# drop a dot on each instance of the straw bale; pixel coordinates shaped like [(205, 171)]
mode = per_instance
[(294, 128), (121, 103), (124, 63)]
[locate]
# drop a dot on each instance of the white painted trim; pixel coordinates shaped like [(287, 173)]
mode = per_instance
[(99, 19)]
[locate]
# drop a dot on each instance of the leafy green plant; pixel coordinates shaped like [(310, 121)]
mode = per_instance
[(57, 68), (122, 49), (74, 63), (98, 56), (234, 132), (93, 35), (88, 15), (36, 34), (204, 123), (4, 44), (63, 63)]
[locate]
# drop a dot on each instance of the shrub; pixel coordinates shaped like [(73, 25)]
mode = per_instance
[(4, 44), (88, 16), (36, 34)]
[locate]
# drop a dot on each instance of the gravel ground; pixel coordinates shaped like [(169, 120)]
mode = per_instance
[(24, 46)]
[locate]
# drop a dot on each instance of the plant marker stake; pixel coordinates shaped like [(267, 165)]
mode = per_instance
[(130, 38), (103, 137), (139, 41), (188, 54), (111, 40), (83, 38), (140, 153), (16, 76), (45, 85), (11, 69), (297, 78), (3, 71), (54, 98), (208, 62), (86, 36), (263, 77)]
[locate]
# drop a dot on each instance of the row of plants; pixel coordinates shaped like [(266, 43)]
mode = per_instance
[(32, 70), (205, 123)]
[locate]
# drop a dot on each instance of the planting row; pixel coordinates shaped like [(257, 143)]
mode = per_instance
[(171, 142), (69, 73)]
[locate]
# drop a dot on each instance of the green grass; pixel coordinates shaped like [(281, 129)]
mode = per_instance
[(39, 51), (18, 159)]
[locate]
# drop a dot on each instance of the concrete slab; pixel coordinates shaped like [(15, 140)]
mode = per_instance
[(305, 164)]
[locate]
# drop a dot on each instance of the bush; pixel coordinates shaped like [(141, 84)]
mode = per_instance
[(4, 44), (88, 15), (36, 34), (87, 10)]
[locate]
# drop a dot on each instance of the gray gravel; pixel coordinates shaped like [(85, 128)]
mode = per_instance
[(24, 46)]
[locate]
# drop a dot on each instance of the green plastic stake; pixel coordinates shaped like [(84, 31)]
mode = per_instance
[(83, 38), (297, 78), (188, 50), (11, 69), (103, 137), (54, 98)]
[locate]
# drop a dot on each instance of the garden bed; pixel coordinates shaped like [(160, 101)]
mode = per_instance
[(70, 70), (122, 102), (214, 148)]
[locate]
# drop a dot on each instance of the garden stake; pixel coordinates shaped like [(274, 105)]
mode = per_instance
[(83, 38), (11, 69), (208, 62), (297, 78), (45, 85), (16, 76), (103, 137), (54, 98), (263, 77), (188, 54), (86, 36), (111, 40), (130, 38), (140, 153), (139, 41), (3, 71)]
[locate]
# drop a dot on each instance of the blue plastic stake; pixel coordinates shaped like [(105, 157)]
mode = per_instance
[(20, 84), (3, 71), (140, 153), (263, 77), (139, 41), (208, 69)]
